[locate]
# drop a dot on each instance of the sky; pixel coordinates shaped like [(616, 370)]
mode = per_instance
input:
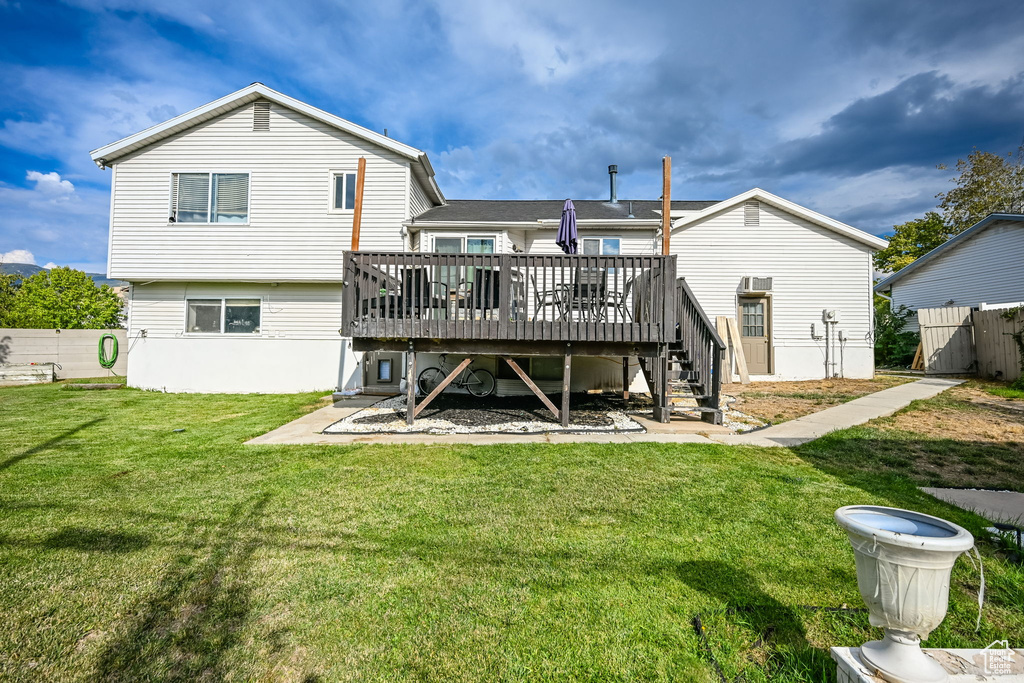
[(846, 107)]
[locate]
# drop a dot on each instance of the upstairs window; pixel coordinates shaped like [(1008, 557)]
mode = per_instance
[(210, 198), (223, 316), (343, 191)]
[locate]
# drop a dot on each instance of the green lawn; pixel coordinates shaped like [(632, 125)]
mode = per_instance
[(130, 551)]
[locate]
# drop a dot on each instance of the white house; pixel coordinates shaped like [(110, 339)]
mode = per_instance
[(231, 221), (982, 265)]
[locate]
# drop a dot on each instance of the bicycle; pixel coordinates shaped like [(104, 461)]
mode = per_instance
[(478, 382)]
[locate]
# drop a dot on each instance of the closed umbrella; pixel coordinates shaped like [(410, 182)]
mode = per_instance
[(567, 235)]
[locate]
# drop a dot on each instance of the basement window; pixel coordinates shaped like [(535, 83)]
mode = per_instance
[(343, 191), (209, 198), (222, 316)]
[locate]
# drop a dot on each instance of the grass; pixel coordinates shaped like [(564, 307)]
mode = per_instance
[(1005, 392), (130, 551)]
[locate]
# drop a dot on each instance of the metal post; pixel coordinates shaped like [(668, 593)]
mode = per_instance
[(566, 376), (410, 385), (625, 378)]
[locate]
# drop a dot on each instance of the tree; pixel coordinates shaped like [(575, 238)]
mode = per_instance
[(893, 346), (8, 288), (911, 241), (987, 183), (65, 298)]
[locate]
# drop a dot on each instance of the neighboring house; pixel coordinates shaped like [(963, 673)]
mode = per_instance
[(231, 222), (982, 265)]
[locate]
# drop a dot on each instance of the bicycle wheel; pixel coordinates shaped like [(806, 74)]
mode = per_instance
[(480, 383), (429, 379)]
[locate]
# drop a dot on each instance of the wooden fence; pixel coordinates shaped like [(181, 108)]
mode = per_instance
[(997, 352), (947, 340), (75, 351)]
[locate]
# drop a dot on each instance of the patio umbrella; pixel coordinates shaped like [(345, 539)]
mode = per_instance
[(567, 229)]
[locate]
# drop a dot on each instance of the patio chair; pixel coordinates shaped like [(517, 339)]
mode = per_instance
[(586, 294), (543, 298), (619, 301), (419, 294)]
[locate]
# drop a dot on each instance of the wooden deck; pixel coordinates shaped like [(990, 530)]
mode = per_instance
[(543, 305), (620, 300)]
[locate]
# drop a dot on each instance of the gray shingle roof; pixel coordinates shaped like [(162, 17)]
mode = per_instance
[(530, 210)]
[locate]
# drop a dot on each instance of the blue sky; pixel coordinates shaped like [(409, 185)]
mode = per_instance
[(844, 107)]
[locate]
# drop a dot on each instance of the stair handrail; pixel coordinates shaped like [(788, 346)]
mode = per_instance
[(702, 342)]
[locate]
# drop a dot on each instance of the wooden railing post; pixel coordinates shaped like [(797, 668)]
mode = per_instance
[(504, 294)]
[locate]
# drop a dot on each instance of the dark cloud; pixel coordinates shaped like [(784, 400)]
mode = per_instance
[(916, 27), (924, 120)]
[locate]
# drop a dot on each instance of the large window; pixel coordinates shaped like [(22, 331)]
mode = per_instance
[(343, 191), (223, 316), (210, 198), (601, 246)]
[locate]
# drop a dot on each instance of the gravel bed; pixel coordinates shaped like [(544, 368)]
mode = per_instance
[(464, 414)]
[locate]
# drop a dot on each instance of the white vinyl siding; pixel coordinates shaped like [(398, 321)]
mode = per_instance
[(418, 200), (290, 311), (812, 268), (290, 235), (631, 242), (985, 268)]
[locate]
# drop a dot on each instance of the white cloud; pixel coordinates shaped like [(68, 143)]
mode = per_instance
[(18, 256), (52, 185)]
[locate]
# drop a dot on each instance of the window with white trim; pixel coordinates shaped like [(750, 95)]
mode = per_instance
[(343, 191), (602, 246), (222, 316), (209, 198)]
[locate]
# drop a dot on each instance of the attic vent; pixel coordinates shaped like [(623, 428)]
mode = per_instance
[(261, 115), (751, 213)]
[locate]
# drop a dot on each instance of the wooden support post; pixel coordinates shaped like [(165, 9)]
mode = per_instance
[(440, 387), (737, 346), (410, 385), (666, 205), (533, 387), (357, 213), (566, 376), (722, 327), (625, 378)]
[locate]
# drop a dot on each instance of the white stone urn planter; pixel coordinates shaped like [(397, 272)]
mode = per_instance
[(904, 560)]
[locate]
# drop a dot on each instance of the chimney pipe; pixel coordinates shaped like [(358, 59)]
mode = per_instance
[(613, 170)]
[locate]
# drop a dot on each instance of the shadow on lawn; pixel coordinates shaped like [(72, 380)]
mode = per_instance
[(95, 540), (50, 443), (196, 614)]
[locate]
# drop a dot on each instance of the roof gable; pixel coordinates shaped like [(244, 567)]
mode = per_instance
[(108, 154), (787, 206), (948, 246)]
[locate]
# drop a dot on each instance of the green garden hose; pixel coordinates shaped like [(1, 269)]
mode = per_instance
[(104, 360)]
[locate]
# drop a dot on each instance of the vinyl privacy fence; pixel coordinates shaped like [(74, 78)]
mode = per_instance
[(75, 351)]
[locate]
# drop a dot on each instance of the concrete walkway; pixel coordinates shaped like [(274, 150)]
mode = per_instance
[(858, 411), (995, 506), (306, 429)]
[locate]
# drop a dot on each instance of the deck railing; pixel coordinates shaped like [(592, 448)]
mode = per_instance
[(629, 299), (702, 343)]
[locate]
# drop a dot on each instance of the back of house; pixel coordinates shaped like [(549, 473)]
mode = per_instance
[(232, 222)]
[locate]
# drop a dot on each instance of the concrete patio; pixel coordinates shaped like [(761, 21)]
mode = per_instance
[(307, 429)]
